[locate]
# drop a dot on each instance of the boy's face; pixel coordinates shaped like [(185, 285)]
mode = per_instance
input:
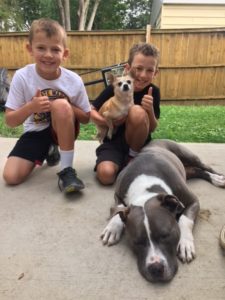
[(48, 53), (144, 69)]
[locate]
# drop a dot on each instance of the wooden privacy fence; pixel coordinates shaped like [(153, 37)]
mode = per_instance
[(192, 64)]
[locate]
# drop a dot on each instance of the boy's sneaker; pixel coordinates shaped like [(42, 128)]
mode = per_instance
[(69, 182), (53, 156)]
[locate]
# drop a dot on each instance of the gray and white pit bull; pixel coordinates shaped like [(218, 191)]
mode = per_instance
[(155, 205)]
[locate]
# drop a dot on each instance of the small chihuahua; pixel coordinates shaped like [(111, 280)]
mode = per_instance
[(117, 106)]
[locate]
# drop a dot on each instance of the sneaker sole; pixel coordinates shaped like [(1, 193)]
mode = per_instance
[(72, 189)]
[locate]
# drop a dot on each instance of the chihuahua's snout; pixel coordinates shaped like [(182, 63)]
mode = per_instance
[(125, 87)]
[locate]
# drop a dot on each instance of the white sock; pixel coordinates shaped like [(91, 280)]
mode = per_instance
[(132, 153), (66, 158)]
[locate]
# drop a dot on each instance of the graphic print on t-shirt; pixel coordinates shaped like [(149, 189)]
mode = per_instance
[(52, 95)]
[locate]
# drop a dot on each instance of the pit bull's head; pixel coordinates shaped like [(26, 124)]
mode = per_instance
[(154, 235)]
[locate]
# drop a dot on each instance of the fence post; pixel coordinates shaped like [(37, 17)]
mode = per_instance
[(148, 34)]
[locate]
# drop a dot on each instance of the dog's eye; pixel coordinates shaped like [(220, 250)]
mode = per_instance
[(164, 236), (120, 83), (129, 81)]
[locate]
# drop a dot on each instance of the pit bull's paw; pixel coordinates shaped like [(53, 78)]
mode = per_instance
[(218, 180), (186, 250), (112, 232)]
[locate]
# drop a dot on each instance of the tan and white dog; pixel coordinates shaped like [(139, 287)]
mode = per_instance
[(117, 106)]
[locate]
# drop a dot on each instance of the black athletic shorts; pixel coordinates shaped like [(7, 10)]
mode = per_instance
[(115, 150), (34, 145)]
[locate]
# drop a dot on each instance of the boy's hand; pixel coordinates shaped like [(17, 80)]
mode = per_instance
[(120, 121), (40, 103), (147, 101)]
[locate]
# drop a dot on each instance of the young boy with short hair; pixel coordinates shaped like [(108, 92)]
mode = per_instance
[(134, 131), (50, 101)]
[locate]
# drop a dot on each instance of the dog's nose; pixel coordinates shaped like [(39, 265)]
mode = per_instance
[(156, 269), (125, 87)]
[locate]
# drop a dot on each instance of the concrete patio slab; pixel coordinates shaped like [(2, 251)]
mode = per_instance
[(50, 247)]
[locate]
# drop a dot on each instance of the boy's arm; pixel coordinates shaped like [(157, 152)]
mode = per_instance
[(38, 104), (80, 115), (14, 118), (97, 118), (101, 121), (97, 103), (147, 104)]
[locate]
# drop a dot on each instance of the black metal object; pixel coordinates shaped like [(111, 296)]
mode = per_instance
[(116, 69)]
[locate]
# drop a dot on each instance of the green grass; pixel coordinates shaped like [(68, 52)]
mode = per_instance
[(199, 124), (9, 132)]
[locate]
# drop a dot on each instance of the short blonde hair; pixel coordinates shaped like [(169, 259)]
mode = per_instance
[(49, 26)]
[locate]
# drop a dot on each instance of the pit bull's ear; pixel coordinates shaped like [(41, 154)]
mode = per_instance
[(124, 213), (173, 204)]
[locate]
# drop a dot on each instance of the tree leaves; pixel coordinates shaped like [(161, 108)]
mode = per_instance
[(17, 15)]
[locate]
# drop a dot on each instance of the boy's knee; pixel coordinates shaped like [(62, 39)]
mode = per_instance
[(137, 120), (106, 174), (14, 176), (137, 115), (61, 108), (11, 179)]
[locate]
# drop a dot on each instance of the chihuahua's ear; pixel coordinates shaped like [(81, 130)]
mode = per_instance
[(129, 71), (132, 73), (126, 70), (110, 78)]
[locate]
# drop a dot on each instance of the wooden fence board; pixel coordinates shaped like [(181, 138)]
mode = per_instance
[(192, 63)]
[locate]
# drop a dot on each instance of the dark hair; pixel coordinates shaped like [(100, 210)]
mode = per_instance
[(145, 49), (49, 26)]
